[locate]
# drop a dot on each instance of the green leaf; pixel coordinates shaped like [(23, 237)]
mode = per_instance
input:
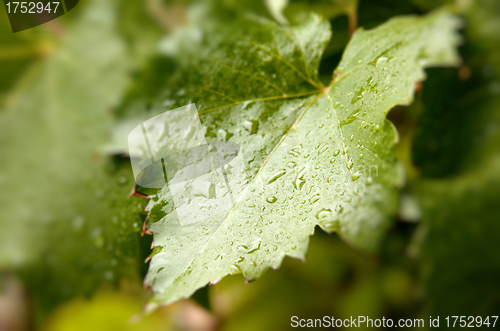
[(17, 52), (460, 223), (458, 149), (298, 10), (312, 155), (66, 223)]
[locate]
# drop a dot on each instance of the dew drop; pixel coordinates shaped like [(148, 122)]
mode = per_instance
[(381, 60), (251, 126), (271, 199), (276, 176), (356, 175), (298, 183), (323, 149), (315, 199), (323, 214)]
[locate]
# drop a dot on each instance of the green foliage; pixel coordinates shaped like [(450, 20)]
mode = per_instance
[(298, 9), (313, 155), (308, 108), (67, 223), (458, 149)]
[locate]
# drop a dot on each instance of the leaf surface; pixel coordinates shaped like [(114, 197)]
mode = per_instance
[(66, 223), (297, 9), (311, 155)]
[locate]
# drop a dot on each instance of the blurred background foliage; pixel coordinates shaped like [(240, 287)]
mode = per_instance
[(71, 251)]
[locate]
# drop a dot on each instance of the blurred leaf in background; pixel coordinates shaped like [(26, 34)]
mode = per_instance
[(67, 223), (457, 148)]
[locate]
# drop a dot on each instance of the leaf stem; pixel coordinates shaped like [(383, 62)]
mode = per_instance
[(352, 16)]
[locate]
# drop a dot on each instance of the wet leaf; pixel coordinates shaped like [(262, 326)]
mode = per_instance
[(66, 223), (310, 155)]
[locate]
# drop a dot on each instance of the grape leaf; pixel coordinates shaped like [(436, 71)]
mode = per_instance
[(460, 223), (313, 155), (459, 192), (298, 9), (67, 224), (17, 52)]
